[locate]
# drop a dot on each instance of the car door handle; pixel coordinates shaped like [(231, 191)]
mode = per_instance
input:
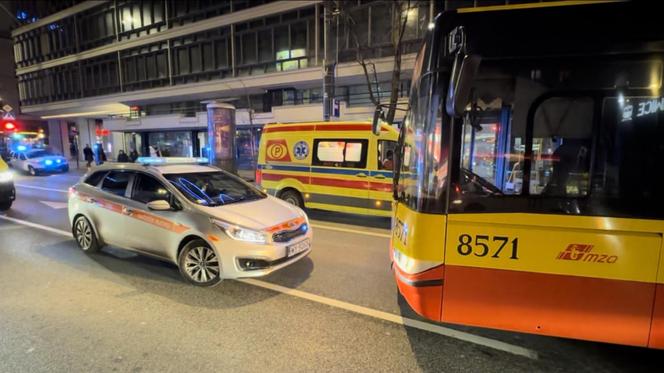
[(379, 176), (361, 174), (127, 211)]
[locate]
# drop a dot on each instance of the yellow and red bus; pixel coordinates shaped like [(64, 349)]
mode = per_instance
[(529, 173)]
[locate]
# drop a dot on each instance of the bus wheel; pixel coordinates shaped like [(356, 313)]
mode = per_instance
[(293, 197)]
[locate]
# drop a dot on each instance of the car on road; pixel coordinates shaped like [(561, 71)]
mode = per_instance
[(213, 225), (38, 161), (7, 191)]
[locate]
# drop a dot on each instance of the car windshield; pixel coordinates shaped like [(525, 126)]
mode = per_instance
[(214, 188), (39, 153)]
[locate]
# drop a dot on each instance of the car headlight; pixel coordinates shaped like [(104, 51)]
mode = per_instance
[(58, 161), (48, 162), (6, 176), (240, 233)]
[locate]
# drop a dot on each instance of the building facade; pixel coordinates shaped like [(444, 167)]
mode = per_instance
[(135, 74)]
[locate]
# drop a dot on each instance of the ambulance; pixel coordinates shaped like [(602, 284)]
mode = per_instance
[(335, 166)]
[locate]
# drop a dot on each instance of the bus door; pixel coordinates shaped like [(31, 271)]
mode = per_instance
[(339, 175), (531, 244)]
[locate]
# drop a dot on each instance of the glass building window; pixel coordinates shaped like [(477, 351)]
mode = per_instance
[(96, 26), (202, 56), (145, 67), (139, 18), (100, 75), (171, 144)]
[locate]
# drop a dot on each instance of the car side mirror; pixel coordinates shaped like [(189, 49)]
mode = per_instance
[(159, 205)]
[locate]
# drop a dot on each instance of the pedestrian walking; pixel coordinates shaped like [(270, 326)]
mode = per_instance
[(88, 154)]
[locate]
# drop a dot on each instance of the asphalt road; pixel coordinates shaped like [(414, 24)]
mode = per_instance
[(337, 310)]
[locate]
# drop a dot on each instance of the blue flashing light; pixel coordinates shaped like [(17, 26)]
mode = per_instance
[(21, 15), (48, 162), (21, 148), (17, 136)]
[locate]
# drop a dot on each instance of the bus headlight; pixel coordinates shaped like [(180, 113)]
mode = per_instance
[(240, 233), (6, 176)]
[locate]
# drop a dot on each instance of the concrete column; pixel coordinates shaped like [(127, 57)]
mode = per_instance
[(55, 140), (221, 135)]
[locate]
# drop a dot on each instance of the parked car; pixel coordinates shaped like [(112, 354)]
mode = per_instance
[(39, 161)]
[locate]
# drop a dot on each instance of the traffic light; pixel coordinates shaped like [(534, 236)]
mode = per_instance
[(9, 126)]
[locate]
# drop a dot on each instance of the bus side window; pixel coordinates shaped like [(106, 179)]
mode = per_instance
[(562, 139), (628, 173)]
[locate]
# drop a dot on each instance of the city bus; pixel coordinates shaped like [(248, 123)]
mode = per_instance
[(529, 174)]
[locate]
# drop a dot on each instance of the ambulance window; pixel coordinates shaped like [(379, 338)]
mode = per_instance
[(386, 154), (116, 182), (340, 153), (148, 189)]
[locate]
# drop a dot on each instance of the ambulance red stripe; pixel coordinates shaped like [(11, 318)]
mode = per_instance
[(324, 181)]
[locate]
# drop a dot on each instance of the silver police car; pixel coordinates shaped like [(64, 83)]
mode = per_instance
[(210, 223)]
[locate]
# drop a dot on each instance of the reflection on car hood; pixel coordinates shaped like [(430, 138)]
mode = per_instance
[(258, 214), (51, 157)]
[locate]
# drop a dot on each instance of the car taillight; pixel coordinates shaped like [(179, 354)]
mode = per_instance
[(259, 176)]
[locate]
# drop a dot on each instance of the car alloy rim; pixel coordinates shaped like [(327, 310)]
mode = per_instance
[(83, 234), (201, 264)]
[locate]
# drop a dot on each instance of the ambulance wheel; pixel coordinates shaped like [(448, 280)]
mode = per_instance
[(84, 235), (293, 197)]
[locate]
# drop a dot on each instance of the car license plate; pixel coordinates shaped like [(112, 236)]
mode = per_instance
[(297, 248)]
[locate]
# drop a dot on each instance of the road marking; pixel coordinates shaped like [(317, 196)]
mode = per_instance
[(41, 188), (386, 316), (339, 229), (381, 315), (319, 226), (38, 226), (55, 205)]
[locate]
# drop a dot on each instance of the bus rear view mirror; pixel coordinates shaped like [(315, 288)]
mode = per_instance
[(463, 72), (375, 124)]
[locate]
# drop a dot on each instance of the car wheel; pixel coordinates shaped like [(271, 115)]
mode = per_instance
[(293, 197), (32, 171), (85, 236), (4, 206), (199, 264)]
